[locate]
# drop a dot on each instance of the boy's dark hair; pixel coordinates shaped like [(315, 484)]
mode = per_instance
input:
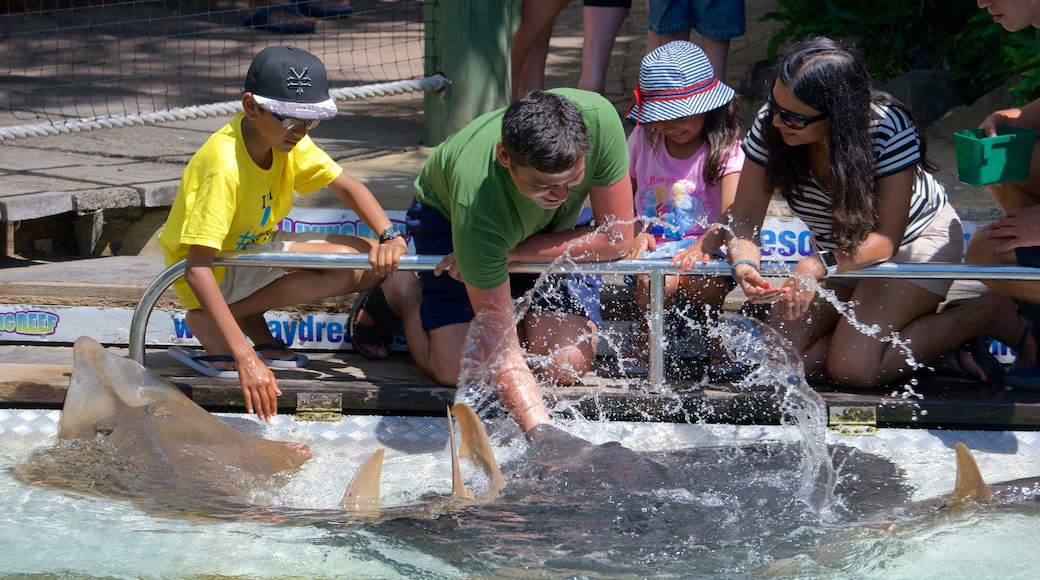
[(831, 78), (544, 131)]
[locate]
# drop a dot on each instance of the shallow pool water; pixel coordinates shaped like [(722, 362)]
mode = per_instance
[(732, 514)]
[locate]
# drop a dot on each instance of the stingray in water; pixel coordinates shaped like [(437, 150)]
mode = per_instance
[(127, 433), (574, 508)]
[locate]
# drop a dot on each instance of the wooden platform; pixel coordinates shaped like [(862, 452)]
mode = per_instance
[(344, 383)]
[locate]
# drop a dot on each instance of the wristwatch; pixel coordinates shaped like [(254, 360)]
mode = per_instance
[(829, 262), (389, 233)]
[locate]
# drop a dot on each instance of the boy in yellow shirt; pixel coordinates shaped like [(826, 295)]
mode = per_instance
[(235, 190)]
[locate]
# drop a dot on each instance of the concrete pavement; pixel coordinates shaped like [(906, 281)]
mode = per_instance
[(105, 192)]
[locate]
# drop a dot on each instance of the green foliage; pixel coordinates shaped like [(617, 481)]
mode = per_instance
[(896, 37)]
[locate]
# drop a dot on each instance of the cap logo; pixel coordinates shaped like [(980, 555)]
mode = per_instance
[(298, 81)]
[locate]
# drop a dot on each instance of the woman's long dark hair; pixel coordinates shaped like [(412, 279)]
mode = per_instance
[(831, 78), (721, 131)]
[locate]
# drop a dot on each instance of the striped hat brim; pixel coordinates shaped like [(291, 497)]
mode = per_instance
[(666, 105)]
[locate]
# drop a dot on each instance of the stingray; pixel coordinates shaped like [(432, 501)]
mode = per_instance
[(127, 433), (970, 490)]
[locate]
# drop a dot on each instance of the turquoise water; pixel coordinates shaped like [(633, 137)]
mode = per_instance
[(733, 512)]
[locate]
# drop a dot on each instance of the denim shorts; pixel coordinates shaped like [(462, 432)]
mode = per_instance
[(714, 19), (445, 301)]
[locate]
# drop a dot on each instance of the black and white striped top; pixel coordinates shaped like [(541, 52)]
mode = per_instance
[(896, 147)]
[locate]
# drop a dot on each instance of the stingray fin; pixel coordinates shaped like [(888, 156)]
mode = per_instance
[(970, 485), (476, 447), (362, 495), (458, 488)]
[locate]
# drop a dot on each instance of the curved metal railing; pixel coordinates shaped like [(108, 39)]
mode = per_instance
[(655, 269)]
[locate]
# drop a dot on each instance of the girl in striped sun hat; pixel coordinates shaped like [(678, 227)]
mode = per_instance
[(685, 163)]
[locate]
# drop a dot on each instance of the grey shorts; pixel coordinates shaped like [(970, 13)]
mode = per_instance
[(241, 282), (941, 242)]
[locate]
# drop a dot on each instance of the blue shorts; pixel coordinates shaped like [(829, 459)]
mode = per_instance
[(1028, 257), (609, 3), (445, 301), (714, 19)]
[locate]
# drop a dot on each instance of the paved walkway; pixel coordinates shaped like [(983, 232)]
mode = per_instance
[(377, 141), (140, 166)]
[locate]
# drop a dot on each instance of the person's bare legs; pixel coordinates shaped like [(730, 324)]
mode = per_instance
[(982, 250), (437, 352), (564, 343), (897, 306), (530, 44), (1023, 193), (699, 291), (295, 287), (654, 40), (717, 51), (601, 25)]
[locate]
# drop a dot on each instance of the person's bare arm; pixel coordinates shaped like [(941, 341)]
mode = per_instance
[(259, 387), (612, 239), (498, 348), (893, 204), (1027, 116), (385, 258)]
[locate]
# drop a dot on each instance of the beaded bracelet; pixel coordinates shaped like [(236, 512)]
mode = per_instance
[(751, 263)]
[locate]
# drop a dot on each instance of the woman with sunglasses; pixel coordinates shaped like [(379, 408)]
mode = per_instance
[(850, 162)]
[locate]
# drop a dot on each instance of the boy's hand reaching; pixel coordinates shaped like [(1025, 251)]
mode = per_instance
[(259, 388)]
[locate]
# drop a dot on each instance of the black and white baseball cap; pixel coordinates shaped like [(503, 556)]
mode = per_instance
[(290, 82)]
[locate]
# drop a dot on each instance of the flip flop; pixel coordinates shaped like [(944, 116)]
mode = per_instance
[(299, 362), (198, 360), (1030, 314), (979, 350), (308, 8), (372, 302), (262, 19)]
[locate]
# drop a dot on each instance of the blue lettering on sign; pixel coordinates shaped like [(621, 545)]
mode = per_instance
[(29, 322), (180, 328), (343, 227), (304, 330), (786, 244)]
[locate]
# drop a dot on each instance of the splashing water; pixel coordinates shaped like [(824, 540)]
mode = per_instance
[(775, 363)]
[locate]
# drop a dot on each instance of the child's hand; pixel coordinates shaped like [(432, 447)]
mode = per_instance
[(641, 243), (385, 258), (259, 388), (689, 258)]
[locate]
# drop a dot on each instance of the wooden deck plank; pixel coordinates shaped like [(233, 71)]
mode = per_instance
[(395, 386)]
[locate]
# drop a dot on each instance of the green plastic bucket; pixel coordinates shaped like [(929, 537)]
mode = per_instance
[(1003, 158)]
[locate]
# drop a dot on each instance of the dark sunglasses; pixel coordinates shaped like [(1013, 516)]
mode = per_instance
[(792, 120), (290, 124)]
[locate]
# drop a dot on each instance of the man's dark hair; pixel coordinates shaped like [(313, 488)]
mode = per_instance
[(544, 131)]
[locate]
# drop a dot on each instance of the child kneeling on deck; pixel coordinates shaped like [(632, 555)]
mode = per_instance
[(234, 192), (685, 164)]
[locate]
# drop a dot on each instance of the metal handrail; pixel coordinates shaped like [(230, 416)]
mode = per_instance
[(655, 269)]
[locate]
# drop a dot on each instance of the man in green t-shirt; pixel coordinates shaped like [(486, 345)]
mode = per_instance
[(507, 189)]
